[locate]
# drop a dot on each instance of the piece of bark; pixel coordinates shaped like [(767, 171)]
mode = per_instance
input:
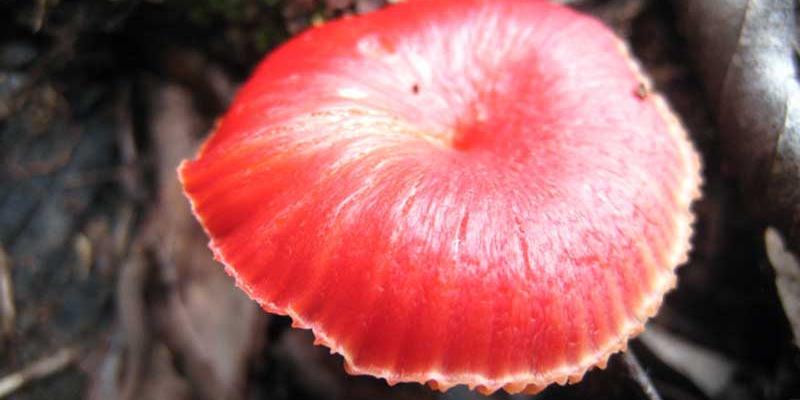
[(745, 53), (204, 318), (176, 306), (159, 381)]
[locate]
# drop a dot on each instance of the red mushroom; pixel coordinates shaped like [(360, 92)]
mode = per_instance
[(453, 192)]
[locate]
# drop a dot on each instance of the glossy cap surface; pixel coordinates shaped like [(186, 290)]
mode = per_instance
[(476, 192)]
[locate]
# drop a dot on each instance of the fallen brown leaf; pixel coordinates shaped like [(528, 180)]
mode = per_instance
[(745, 53)]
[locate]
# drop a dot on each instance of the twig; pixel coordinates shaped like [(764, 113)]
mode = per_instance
[(710, 371), (131, 309), (8, 312), (38, 370), (640, 375), (787, 277), (130, 173), (179, 335), (181, 338), (570, 2), (38, 15), (123, 229), (85, 252)]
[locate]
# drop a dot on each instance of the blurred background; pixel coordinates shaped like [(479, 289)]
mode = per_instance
[(107, 288)]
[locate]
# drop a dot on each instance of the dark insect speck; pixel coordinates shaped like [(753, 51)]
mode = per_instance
[(642, 91)]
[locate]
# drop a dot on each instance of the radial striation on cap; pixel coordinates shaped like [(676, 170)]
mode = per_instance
[(453, 192)]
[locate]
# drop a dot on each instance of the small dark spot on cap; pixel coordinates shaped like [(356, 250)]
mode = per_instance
[(415, 89), (642, 91)]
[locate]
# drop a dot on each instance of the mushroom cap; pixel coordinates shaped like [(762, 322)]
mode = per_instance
[(478, 192)]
